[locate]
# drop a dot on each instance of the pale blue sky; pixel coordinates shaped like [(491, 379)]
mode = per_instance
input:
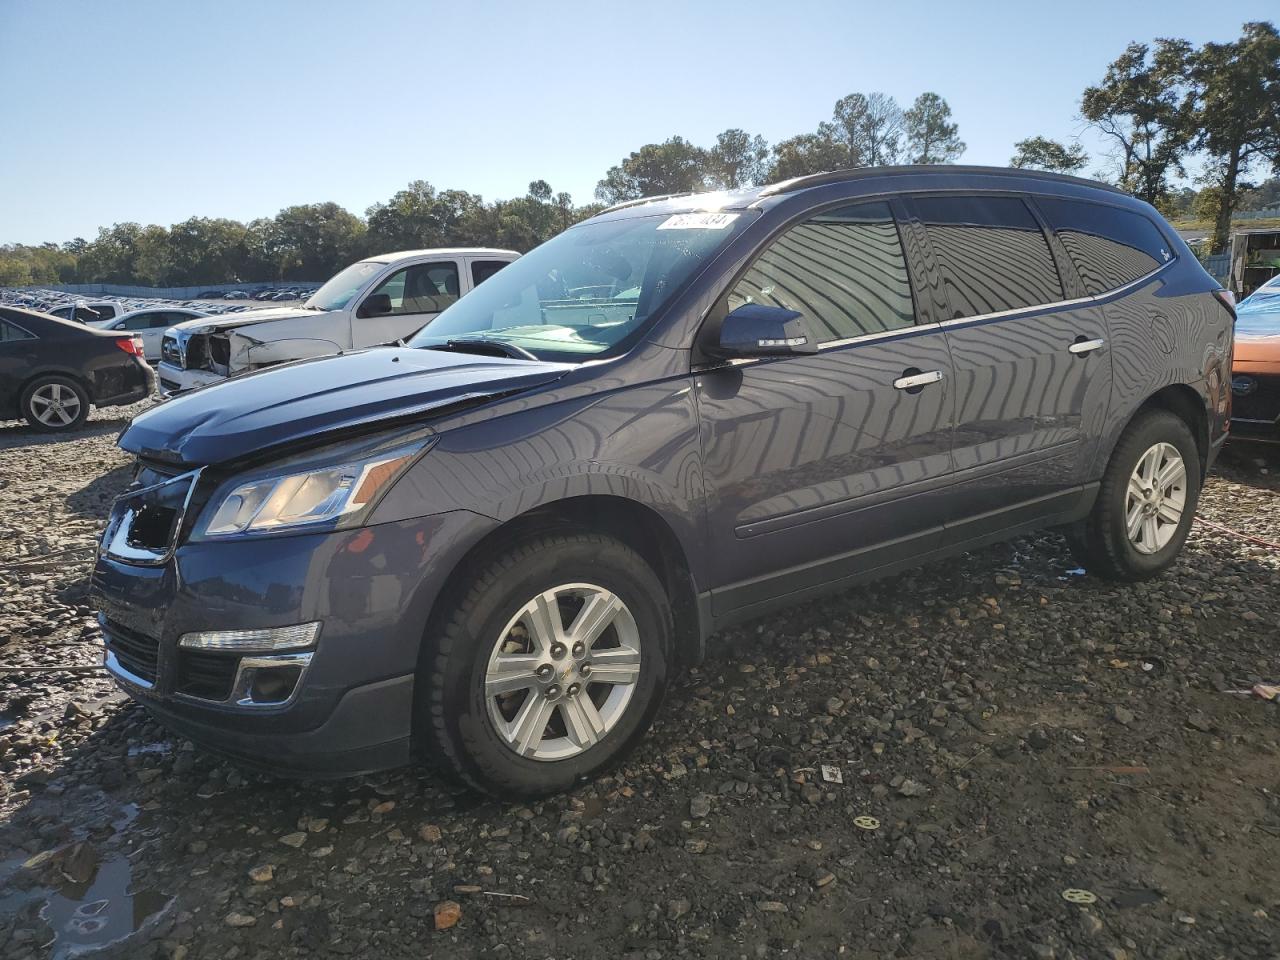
[(156, 111)]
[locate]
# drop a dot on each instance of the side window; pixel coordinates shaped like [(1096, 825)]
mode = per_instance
[(142, 321), (10, 333), (1109, 246), (422, 288), (482, 270), (991, 253), (843, 269)]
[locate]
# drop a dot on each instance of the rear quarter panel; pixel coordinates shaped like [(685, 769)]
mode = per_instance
[(1169, 330)]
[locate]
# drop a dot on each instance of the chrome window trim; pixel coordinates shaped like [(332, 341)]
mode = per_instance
[(1001, 314)]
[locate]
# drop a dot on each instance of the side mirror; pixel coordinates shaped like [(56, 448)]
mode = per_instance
[(758, 330), (375, 305)]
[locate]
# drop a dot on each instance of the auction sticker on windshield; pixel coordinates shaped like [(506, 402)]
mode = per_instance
[(697, 221)]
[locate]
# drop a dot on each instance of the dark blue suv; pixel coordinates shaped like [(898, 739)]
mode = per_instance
[(492, 544)]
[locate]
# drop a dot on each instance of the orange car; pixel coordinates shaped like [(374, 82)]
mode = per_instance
[(1255, 372)]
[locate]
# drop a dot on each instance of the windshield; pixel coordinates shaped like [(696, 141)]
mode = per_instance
[(587, 290), (344, 285)]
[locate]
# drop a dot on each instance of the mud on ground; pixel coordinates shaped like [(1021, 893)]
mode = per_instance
[(1014, 728)]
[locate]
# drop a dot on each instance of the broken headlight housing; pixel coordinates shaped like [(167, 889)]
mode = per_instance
[(333, 489)]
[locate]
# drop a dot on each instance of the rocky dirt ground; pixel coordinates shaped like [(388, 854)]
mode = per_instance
[(1006, 729)]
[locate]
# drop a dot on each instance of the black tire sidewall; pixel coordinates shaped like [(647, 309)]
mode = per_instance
[(474, 746), (39, 382), (1155, 428)]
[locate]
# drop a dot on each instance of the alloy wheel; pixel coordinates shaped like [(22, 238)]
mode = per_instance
[(563, 671), (54, 404), (1156, 498)]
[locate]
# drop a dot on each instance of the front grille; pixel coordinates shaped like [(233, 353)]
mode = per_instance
[(145, 523), (220, 351), (136, 652), (206, 675), (1255, 397), (197, 357)]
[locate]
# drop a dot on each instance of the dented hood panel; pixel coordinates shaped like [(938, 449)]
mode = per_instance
[(312, 398), (232, 321)]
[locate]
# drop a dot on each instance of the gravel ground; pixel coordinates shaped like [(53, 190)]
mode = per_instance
[(1012, 727)]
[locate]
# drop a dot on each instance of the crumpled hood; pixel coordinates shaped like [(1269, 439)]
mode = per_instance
[(228, 321), (311, 398)]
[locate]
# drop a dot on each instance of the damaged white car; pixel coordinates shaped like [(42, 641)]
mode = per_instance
[(379, 300)]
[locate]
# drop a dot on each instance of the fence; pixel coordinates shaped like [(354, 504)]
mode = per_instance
[(1270, 213), (165, 293)]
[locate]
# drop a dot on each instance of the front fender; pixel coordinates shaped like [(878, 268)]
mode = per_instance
[(639, 444)]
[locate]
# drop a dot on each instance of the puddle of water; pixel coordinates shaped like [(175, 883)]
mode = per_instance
[(1077, 572), (101, 910), (6, 722)]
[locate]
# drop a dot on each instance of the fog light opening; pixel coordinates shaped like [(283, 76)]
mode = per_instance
[(275, 685), (269, 681)]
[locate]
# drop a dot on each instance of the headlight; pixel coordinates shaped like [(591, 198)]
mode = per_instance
[(333, 494)]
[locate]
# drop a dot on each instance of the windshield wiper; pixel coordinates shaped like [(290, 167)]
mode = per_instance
[(483, 345)]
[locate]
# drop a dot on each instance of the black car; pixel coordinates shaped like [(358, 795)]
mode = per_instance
[(494, 544), (52, 370)]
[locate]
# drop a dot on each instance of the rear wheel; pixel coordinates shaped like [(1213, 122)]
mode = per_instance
[(55, 403), (1146, 503), (549, 669)]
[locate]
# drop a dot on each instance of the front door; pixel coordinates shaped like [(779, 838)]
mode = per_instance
[(822, 467), (416, 293), (1032, 372)]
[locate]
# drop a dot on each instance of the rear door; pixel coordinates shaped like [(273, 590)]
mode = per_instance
[(417, 292), (1032, 369), (16, 361), (822, 467)]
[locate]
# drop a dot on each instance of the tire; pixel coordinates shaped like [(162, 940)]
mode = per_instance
[(1102, 543), (55, 404), (478, 737)]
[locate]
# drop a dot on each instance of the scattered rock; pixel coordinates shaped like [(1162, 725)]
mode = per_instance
[(447, 913)]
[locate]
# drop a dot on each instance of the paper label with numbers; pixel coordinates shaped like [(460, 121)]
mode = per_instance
[(698, 221)]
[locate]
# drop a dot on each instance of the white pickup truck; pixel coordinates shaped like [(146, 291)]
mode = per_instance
[(379, 300)]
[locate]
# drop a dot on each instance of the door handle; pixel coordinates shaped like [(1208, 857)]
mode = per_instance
[(913, 380), (1083, 346)]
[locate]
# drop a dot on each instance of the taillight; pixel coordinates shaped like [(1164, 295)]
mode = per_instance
[(131, 345), (1228, 300)]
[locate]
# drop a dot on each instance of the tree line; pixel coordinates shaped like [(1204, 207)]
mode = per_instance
[(313, 241), (1162, 108), (1167, 105)]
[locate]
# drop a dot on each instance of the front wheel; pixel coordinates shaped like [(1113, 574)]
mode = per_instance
[(549, 669), (1146, 503)]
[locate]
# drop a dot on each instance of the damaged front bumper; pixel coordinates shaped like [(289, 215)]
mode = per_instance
[(296, 652), (175, 380)]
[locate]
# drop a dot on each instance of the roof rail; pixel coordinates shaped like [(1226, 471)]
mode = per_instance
[(857, 173), (639, 200)]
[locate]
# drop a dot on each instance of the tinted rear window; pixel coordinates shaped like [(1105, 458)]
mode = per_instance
[(1109, 246), (991, 253)]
